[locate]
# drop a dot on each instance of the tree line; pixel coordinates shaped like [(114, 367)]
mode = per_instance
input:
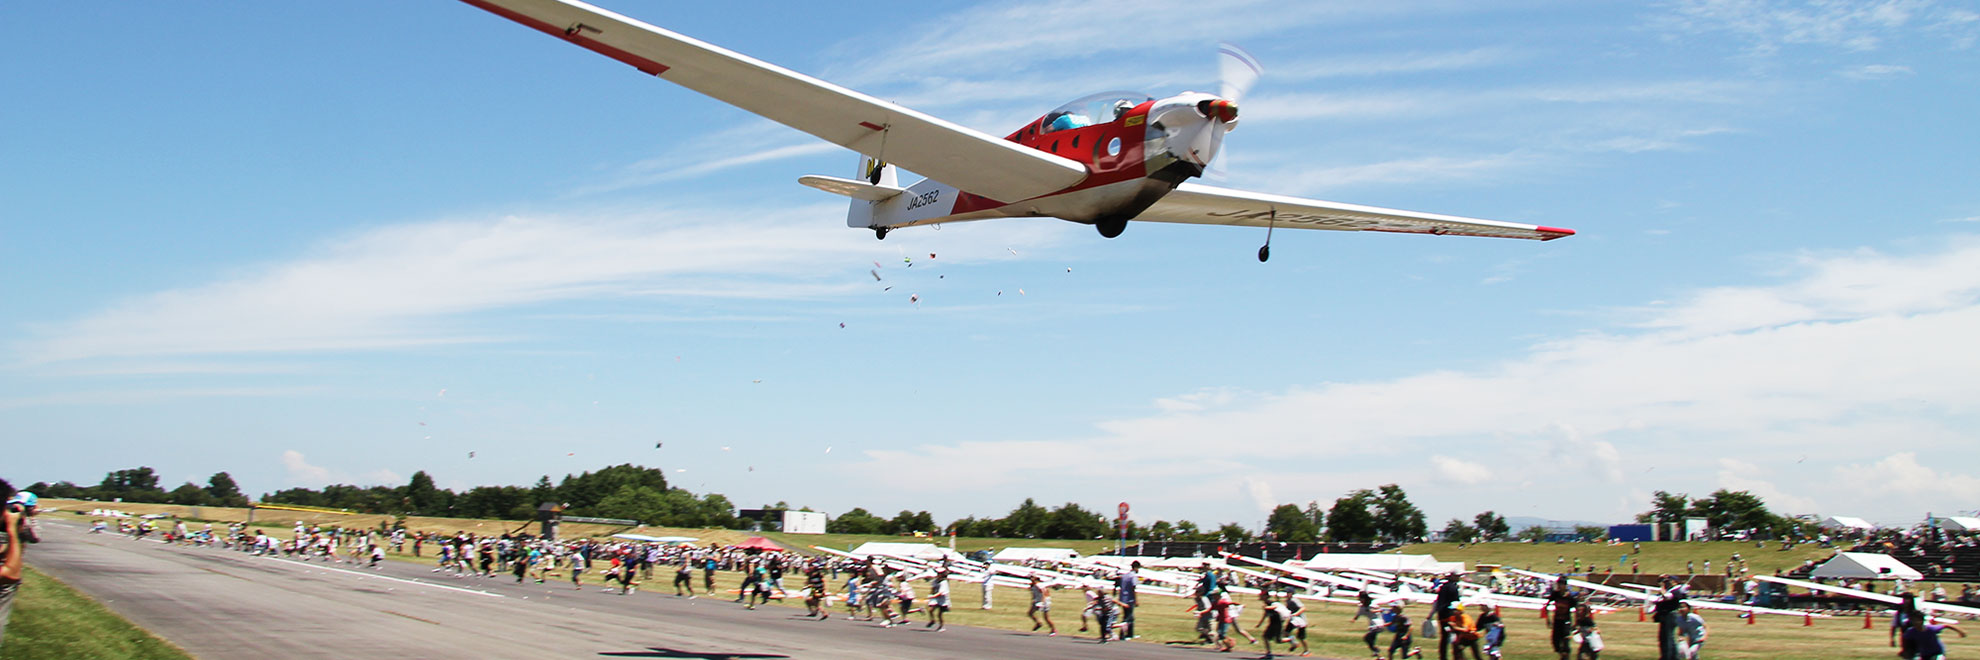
[(633, 492)]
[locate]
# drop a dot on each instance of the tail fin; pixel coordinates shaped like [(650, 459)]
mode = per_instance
[(877, 172)]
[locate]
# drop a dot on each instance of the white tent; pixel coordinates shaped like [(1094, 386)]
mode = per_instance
[(1384, 562), (1959, 524), (1030, 554), (925, 551), (1846, 523), (1865, 565)]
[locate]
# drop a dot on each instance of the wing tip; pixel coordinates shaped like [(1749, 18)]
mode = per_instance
[(1551, 233)]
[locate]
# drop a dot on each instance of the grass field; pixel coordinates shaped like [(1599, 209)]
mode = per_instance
[(1163, 620), (53, 622)]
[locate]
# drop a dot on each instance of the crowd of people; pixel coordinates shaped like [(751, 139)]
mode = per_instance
[(872, 590)]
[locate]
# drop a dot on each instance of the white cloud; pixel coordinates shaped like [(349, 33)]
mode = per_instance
[(1460, 471), (1847, 359), (1770, 25), (1261, 495), (1875, 72), (414, 284), (302, 472)]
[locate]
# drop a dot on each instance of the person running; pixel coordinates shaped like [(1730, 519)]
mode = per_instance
[(1399, 624), (1562, 602), (814, 592), (684, 578), (1041, 606), (1924, 638), (1692, 634), (377, 556), (579, 558), (1492, 630), (904, 594), (1585, 630), (1364, 605), (1378, 622), (1106, 609), (1272, 618), (853, 596), (1462, 632), (938, 601), (1295, 624)]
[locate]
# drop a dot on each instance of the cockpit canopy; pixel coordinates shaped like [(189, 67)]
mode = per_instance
[(1092, 109)]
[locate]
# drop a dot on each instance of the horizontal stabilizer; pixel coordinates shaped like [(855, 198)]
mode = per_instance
[(851, 188)]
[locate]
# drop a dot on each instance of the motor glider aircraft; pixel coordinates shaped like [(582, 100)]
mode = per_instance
[(1101, 160)]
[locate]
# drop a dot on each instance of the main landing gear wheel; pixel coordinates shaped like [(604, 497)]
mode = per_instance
[(1111, 228), (880, 233)]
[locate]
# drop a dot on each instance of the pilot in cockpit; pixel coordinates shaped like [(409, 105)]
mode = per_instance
[(1068, 120), (1122, 107)]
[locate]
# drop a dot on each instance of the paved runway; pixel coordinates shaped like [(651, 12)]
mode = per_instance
[(220, 604)]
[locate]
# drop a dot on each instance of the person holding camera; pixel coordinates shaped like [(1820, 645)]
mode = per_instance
[(19, 506)]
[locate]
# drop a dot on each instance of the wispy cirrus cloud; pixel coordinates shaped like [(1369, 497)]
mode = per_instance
[(1767, 26), (416, 284)]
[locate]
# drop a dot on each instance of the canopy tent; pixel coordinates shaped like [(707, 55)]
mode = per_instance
[(1865, 565), (760, 543), (1959, 524), (1847, 523), (927, 551), (1035, 554), (1383, 562)]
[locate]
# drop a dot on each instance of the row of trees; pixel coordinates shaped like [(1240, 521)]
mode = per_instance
[(1383, 514), (141, 485)]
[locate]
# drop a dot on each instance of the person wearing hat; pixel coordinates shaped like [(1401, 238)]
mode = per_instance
[(1462, 632), (19, 507)]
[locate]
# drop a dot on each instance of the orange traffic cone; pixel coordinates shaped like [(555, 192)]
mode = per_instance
[(1750, 617), (1866, 621), (1639, 615), (1807, 620)]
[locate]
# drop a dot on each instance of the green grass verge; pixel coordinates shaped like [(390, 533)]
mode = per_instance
[(54, 622)]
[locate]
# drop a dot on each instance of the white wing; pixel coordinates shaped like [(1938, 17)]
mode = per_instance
[(1210, 205), (962, 157)]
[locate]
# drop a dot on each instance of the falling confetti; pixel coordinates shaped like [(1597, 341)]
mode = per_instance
[(470, 454), (1000, 292), (657, 444), (759, 380), (931, 255), (725, 449), (875, 274), (429, 437), (914, 298), (443, 391), (752, 468), (571, 454), (842, 326), (888, 289), (1069, 269), (876, 264), (941, 277), (828, 450), (1020, 292), (680, 469), (1013, 251), (422, 423)]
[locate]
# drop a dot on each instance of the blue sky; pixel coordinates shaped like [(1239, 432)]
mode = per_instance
[(265, 239)]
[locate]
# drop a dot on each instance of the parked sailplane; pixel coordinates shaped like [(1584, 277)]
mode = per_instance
[(1101, 160)]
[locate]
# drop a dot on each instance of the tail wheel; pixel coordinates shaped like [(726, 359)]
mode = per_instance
[(880, 233)]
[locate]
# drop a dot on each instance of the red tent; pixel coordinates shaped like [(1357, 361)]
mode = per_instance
[(760, 543)]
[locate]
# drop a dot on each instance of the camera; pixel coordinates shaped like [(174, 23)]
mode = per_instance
[(26, 532)]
